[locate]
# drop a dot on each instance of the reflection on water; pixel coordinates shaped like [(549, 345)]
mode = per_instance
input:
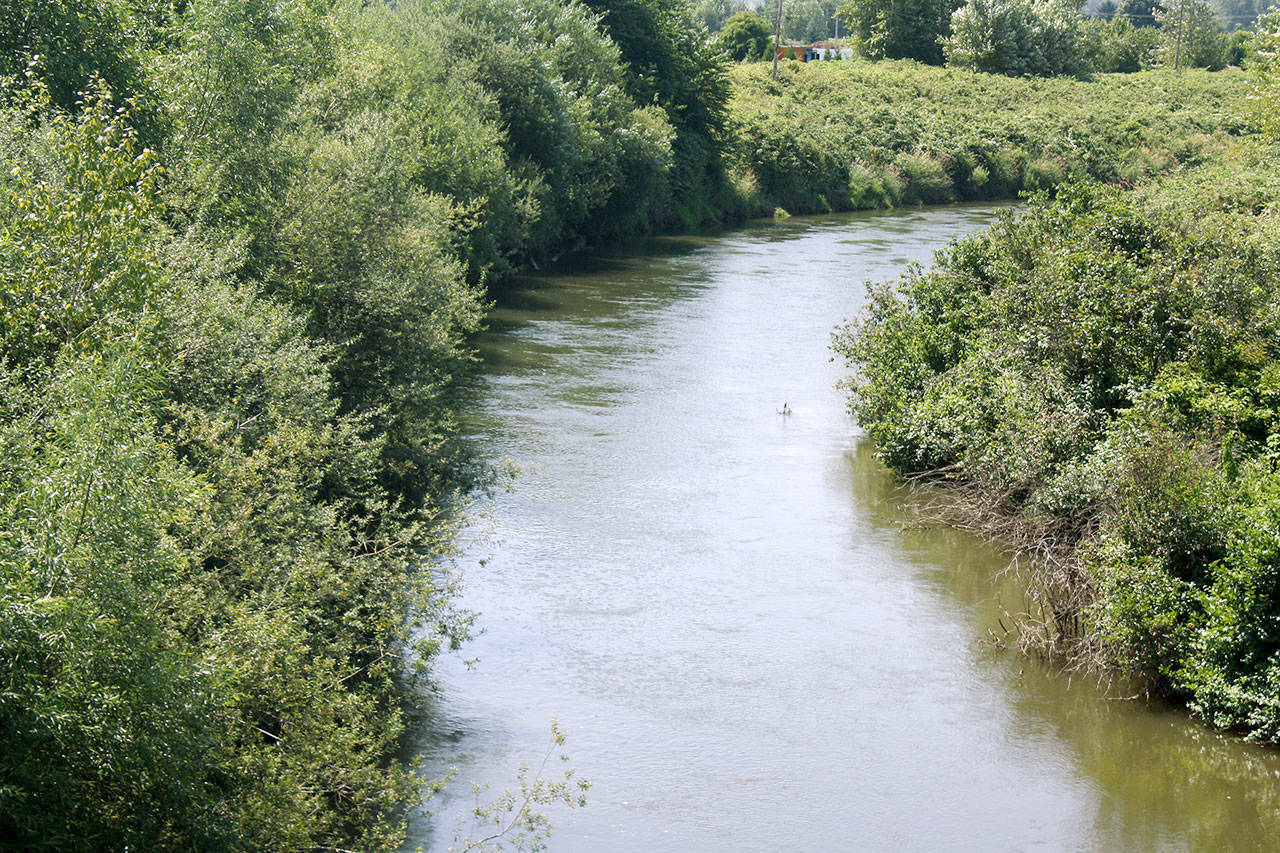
[(724, 609)]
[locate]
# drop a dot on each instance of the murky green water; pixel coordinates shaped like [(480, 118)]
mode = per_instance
[(724, 610)]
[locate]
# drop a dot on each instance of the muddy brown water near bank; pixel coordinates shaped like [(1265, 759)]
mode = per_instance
[(722, 606)]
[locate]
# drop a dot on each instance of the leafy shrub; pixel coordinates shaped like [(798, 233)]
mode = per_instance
[(1101, 369), (1018, 37), (1119, 46), (744, 36), (923, 179)]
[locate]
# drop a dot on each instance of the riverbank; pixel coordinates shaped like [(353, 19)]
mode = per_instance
[(862, 135), (1098, 374)]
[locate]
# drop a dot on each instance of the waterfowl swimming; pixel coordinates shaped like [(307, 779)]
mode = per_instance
[(785, 410)]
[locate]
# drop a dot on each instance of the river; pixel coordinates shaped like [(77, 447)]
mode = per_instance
[(746, 641)]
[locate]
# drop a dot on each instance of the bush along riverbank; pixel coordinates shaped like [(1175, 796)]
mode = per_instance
[(862, 135), (1099, 377), (243, 247)]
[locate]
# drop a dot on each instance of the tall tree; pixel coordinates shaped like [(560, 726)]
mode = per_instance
[(809, 20), (1190, 36), (1266, 95), (1018, 37), (672, 63), (899, 29), (745, 36), (1141, 13)]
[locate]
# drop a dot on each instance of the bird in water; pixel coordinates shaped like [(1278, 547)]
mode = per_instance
[(785, 410)]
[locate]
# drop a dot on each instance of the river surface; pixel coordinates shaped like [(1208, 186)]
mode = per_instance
[(746, 642)]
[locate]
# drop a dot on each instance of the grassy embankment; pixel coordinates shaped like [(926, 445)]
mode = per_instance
[(858, 135)]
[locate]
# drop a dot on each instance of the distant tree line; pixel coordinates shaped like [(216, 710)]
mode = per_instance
[(1016, 37)]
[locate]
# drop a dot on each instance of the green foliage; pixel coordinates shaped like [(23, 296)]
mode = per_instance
[(514, 820), (1239, 48), (207, 589), (806, 21), (301, 578), (1102, 368), (868, 135), (234, 314), (1265, 105), (67, 45), (1233, 666), (745, 36), (674, 66), (713, 14), (228, 83), (102, 709), (1190, 36), (1041, 38), (1140, 13), (1120, 47), (899, 30), (77, 203), (561, 96)]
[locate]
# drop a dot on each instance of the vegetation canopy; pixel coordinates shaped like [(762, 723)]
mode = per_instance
[(245, 245)]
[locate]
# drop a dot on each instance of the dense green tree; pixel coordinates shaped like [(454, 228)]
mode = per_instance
[(1140, 13), (229, 81), (1018, 37), (561, 93), (745, 36), (809, 20), (1190, 36), (1266, 94), (77, 205), (899, 29), (713, 14), (1239, 48), (68, 44), (1119, 46), (673, 64)]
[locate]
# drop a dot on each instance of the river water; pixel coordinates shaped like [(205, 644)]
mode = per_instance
[(746, 642)]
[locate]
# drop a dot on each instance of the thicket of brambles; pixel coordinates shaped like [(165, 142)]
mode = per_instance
[(856, 135), (1100, 375)]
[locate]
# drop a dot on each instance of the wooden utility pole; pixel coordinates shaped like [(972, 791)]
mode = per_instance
[(1177, 48), (777, 34)]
